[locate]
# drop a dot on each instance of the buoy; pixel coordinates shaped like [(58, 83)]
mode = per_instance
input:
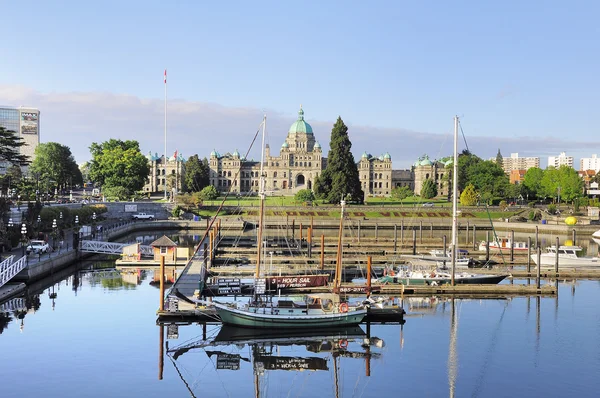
[(570, 220)]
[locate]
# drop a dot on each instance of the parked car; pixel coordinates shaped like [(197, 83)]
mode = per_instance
[(38, 246), (428, 204)]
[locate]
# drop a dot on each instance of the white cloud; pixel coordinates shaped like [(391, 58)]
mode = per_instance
[(77, 119)]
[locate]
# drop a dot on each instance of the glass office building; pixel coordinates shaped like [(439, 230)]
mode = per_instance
[(26, 123)]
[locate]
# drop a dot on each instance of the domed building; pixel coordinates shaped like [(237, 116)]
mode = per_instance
[(424, 169), (161, 170), (375, 174), (299, 163)]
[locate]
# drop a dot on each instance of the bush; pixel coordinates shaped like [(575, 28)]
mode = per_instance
[(552, 208)]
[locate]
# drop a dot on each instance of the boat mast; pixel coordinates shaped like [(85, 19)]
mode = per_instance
[(454, 198), (261, 194), (337, 279)]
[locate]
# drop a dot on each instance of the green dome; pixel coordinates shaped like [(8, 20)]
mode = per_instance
[(285, 145), (214, 153), (300, 126), (317, 145), (364, 155), (426, 162), (236, 154), (387, 156)]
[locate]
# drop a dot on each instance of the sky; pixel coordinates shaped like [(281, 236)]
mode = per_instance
[(521, 75)]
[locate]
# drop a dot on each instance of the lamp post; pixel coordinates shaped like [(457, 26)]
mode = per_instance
[(10, 231), (23, 236), (93, 224), (19, 202), (54, 234), (39, 224), (76, 234)]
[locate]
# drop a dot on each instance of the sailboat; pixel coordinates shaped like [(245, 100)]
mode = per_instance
[(410, 275), (323, 310)]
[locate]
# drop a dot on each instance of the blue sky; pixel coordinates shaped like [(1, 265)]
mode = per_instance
[(523, 76)]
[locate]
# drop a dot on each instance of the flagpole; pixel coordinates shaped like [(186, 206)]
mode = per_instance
[(165, 165)]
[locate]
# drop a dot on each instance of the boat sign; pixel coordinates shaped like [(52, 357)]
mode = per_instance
[(260, 285), (229, 286)]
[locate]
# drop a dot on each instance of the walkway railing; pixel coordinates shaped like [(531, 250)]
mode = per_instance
[(8, 268), (98, 246), (14, 304)]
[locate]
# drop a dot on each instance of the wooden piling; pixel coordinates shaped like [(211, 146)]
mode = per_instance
[(574, 237), (402, 231), (376, 232), (309, 242), (529, 254), (421, 232), (161, 279), (475, 237), (358, 231), (537, 242), (467, 234), (414, 242), (293, 229), (322, 252), (556, 259), (487, 245), (395, 238), (512, 246), (369, 259), (539, 267), (300, 232)]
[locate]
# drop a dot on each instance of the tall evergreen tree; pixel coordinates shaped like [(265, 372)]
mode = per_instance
[(429, 189), (10, 143), (499, 159), (340, 177), (196, 174)]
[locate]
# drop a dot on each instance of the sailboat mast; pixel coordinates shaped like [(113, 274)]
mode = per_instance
[(337, 280), (261, 194), (454, 198)]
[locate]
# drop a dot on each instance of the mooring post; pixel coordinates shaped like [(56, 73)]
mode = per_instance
[(369, 259), (376, 232), (421, 232), (161, 350), (574, 236), (402, 231), (512, 245), (467, 233), (539, 266), (358, 231), (487, 246), (309, 242), (205, 254), (537, 242), (444, 246), (300, 232), (414, 242), (528, 255), (322, 251), (162, 283), (211, 243), (556, 259), (431, 230), (293, 229), (474, 237), (395, 238)]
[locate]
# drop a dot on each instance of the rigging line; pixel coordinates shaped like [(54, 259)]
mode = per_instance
[(463, 134), (496, 235), (182, 378)]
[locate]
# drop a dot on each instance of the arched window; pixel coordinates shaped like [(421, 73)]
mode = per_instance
[(274, 174)]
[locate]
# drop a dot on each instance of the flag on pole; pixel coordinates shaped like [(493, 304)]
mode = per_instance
[(175, 154), (165, 76)]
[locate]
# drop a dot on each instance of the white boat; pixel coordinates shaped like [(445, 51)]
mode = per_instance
[(596, 234), (568, 256), (504, 244), (414, 276)]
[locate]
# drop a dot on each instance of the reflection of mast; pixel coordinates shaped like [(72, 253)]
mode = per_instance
[(261, 193), (161, 351), (452, 353), (338, 266), (335, 377)]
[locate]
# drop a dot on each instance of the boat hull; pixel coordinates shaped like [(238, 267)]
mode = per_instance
[(549, 260), (471, 280), (267, 319)]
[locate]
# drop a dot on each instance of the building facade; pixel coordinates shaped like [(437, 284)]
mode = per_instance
[(163, 174), (26, 123), (424, 169), (403, 178), (514, 162), (560, 160), (592, 163), (375, 174), (299, 163)]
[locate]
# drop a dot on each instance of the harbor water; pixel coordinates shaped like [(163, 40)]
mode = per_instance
[(93, 333)]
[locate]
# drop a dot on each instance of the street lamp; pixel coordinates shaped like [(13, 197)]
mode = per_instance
[(76, 234), (24, 236), (93, 224), (54, 233), (19, 202)]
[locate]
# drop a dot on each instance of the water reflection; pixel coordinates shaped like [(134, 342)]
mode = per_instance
[(266, 351)]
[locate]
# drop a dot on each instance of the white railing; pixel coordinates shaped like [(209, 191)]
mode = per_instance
[(8, 268), (98, 246), (12, 305)]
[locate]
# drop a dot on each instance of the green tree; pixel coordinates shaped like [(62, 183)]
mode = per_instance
[(119, 163), (10, 142), (120, 193), (469, 196), (209, 193), (55, 165), (304, 195), (499, 159), (340, 176), (532, 182), (429, 189), (570, 184), (196, 174), (466, 161), (401, 193), (487, 177)]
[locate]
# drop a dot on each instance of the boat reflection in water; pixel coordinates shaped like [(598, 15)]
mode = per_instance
[(313, 350)]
